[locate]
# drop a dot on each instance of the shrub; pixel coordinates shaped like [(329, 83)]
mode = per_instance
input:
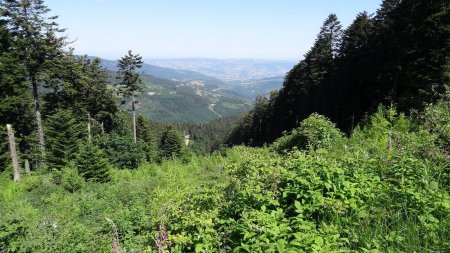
[(70, 179), (314, 132), (436, 119)]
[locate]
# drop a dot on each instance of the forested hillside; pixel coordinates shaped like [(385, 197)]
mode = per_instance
[(397, 56), (353, 156), (163, 100)]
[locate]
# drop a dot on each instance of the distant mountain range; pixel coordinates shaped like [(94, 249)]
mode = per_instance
[(252, 88), (245, 77), (167, 73), (228, 70)]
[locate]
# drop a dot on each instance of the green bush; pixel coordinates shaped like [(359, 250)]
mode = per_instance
[(70, 179), (436, 119), (314, 132)]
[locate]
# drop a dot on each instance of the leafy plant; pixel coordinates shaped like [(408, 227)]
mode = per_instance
[(314, 132)]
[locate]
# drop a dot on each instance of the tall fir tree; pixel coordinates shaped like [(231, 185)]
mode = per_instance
[(81, 85), (129, 82), (15, 98), (119, 146), (37, 45), (398, 56)]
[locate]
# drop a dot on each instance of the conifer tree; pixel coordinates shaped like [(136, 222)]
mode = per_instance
[(81, 85), (92, 165), (63, 135), (399, 56), (119, 146), (147, 134), (15, 97), (37, 45), (129, 81), (171, 143)]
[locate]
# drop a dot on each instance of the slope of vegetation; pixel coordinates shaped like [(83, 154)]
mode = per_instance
[(383, 189), (160, 102)]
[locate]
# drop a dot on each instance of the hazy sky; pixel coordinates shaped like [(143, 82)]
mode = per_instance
[(273, 29)]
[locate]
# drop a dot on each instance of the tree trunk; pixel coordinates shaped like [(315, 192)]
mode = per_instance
[(89, 128), (134, 119), (12, 148), (27, 166), (37, 108)]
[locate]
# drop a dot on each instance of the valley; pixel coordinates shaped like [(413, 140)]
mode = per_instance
[(176, 95)]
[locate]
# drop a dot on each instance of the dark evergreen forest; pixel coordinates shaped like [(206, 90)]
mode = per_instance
[(397, 56)]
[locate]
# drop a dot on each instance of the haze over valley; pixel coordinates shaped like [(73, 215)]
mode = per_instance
[(229, 70)]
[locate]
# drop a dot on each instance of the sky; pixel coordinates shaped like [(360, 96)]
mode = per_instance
[(263, 29)]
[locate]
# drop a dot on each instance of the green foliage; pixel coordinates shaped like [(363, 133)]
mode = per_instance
[(314, 132), (91, 165), (171, 144), (41, 216), (383, 189), (69, 178), (119, 146), (205, 138), (128, 79), (123, 152), (80, 85), (15, 97), (149, 132), (436, 119), (63, 133)]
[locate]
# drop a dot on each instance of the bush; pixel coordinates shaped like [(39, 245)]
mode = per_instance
[(63, 133), (436, 119), (70, 180), (314, 132)]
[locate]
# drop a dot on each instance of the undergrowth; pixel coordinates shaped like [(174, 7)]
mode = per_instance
[(383, 189)]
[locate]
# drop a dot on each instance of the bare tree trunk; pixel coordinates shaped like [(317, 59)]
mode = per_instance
[(27, 166), (89, 128), (103, 128), (37, 108), (186, 139), (12, 148), (133, 107)]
